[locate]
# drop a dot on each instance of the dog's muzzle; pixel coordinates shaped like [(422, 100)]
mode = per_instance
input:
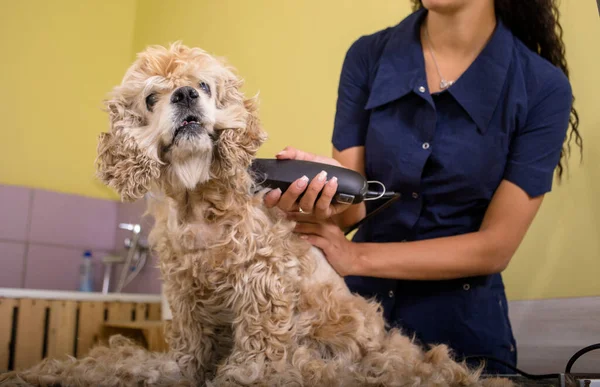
[(189, 125)]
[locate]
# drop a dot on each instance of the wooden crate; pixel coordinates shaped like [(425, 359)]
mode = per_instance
[(32, 329)]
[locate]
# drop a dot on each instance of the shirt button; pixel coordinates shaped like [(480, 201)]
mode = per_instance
[(415, 195), (391, 294), (425, 145), (422, 89), (466, 286)]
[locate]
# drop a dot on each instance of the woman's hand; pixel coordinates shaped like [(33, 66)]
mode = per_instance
[(321, 208), (342, 254), (292, 153)]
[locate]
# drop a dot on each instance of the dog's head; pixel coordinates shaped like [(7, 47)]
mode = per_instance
[(178, 119)]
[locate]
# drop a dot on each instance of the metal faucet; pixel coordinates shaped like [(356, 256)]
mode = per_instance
[(137, 250)]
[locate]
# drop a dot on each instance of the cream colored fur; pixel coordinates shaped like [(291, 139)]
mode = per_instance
[(252, 303)]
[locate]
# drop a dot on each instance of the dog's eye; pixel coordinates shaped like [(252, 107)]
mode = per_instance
[(151, 101), (204, 86)]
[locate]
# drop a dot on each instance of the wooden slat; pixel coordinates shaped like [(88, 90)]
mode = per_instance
[(30, 333), (156, 339), (61, 331), (154, 311), (6, 316), (140, 311), (134, 324), (120, 311), (91, 318)]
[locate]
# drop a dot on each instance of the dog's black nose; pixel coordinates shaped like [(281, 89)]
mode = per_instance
[(184, 96)]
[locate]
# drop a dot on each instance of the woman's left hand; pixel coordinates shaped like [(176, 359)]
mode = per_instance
[(341, 253)]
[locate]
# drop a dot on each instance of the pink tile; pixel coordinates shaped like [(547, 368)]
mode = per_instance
[(14, 212), (147, 281), (57, 268), (72, 220), (11, 262)]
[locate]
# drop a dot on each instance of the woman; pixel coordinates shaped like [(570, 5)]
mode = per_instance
[(463, 108)]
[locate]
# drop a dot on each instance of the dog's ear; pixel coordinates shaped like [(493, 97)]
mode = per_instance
[(253, 136), (120, 163), (240, 132)]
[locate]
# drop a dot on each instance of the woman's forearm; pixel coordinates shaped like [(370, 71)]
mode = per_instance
[(442, 258)]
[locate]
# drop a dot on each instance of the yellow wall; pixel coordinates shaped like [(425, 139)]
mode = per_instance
[(59, 59), (64, 55), (561, 255), (291, 51)]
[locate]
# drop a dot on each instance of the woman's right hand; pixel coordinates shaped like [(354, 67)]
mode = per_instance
[(321, 208)]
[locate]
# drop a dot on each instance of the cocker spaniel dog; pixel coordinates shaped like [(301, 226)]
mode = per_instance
[(252, 303)]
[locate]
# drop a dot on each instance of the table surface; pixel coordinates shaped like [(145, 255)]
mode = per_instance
[(40, 294)]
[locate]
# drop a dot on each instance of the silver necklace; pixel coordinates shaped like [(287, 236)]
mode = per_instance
[(444, 84)]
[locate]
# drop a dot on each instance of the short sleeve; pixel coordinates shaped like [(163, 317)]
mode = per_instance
[(536, 147), (351, 117)]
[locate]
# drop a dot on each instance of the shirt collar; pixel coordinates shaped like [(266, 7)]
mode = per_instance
[(401, 64), (402, 70)]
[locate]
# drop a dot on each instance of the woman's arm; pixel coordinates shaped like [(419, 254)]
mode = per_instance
[(486, 251)]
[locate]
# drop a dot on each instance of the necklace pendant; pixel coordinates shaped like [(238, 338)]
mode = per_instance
[(445, 84)]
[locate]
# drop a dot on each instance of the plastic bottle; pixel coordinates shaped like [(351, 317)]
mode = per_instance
[(85, 284)]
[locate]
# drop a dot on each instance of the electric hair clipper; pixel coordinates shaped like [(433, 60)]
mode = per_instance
[(352, 188)]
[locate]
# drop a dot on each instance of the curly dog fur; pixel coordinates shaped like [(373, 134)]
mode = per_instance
[(252, 303)]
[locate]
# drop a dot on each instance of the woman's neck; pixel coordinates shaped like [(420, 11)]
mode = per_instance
[(461, 32), (452, 40)]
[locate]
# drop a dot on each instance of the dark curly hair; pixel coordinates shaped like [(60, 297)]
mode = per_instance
[(536, 24)]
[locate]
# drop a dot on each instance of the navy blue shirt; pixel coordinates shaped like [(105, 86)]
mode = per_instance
[(506, 117)]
